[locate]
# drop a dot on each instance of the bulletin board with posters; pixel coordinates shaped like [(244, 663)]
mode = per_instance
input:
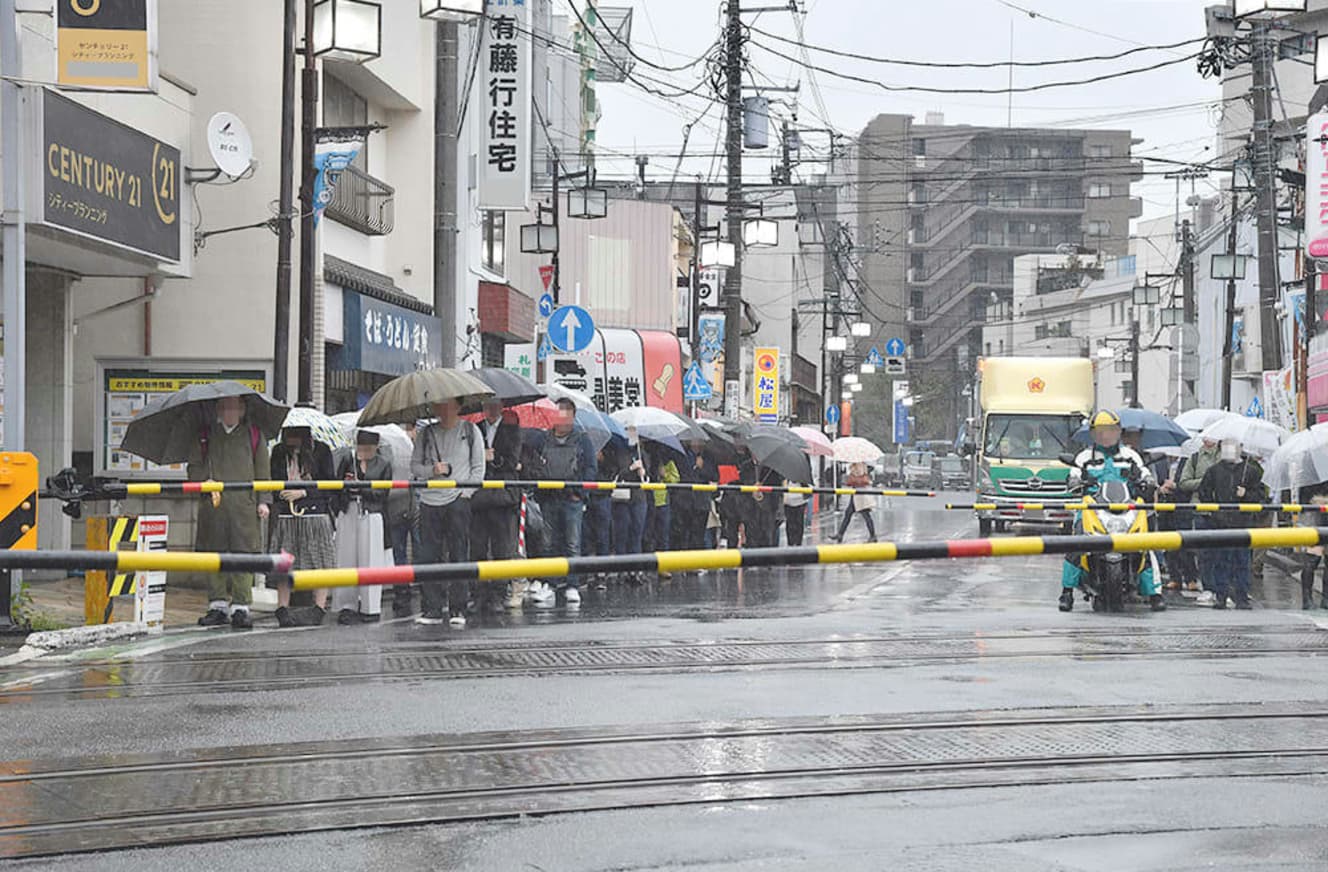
[(125, 387)]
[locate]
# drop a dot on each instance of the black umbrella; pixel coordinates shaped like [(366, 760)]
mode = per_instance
[(694, 432), (782, 451), (168, 428), (507, 386)]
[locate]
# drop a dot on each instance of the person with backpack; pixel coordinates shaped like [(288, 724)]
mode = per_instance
[(568, 455), (303, 523), (229, 448), (449, 449)]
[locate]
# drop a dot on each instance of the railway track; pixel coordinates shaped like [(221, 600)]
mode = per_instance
[(110, 803), (245, 672)]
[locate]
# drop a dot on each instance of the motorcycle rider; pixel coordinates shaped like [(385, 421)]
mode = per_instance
[(1108, 460)]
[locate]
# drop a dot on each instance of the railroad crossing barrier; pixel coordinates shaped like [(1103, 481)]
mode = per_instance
[(1251, 508), (876, 552), (146, 561), (18, 522)]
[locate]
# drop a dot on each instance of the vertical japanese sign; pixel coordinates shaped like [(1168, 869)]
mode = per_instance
[(106, 44), (1316, 185), (150, 587), (765, 380), (710, 330), (506, 137)]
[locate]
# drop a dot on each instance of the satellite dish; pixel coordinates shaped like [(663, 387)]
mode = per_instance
[(229, 143)]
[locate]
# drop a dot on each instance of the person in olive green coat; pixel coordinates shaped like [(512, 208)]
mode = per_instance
[(230, 449)]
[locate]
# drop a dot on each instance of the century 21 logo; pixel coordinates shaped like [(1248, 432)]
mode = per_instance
[(87, 10), (163, 184)]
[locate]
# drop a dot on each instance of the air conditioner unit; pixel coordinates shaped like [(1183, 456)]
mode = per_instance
[(913, 314), (912, 237), (910, 274)]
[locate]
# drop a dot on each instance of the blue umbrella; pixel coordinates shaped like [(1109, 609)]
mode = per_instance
[(599, 427), (1159, 431)]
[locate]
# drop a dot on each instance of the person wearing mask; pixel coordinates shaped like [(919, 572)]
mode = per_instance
[(449, 449), (629, 503), (763, 511), (1229, 481), (493, 522), (1187, 486), (1110, 460), (303, 523), (230, 448), (567, 456), (362, 538), (858, 476), (661, 518)]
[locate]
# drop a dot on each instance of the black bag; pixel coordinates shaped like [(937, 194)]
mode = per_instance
[(537, 531)]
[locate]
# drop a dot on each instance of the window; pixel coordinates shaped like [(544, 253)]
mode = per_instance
[(1098, 229), (1099, 151), (342, 107), (920, 147), (1113, 314), (1064, 328), (492, 240), (1099, 190)]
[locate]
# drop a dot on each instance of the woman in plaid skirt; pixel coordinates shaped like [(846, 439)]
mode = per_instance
[(301, 518)]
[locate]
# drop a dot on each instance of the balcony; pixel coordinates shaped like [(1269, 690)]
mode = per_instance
[(363, 203)]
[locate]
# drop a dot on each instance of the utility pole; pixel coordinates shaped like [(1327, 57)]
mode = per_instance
[(1134, 360), (785, 156), (15, 261), (1306, 337), (556, 285), (694, 328), (733, 40), (285, 210), (1227, 348), (308, 238), (1187, 273), (445, 186), (1265, 181)]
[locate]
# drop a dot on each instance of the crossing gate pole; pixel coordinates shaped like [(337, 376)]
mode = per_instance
[(18, 524)]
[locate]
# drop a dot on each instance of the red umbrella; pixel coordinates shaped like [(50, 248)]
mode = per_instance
[(539, 415)]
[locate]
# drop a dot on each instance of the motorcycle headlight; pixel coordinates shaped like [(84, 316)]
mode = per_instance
[(1117, 523)]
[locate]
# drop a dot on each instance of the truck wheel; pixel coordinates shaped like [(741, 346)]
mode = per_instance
[(984, 527)]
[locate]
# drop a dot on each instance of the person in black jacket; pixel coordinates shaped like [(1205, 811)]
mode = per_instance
[(362, 539), (493, 513), (1229, 481), (699, 469), (1312, 557), (302, 517)]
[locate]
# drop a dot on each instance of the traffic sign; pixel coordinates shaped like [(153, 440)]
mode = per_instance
[(902, 431), (571, 328), (832, 415), (545, 305), (1255, 409), (874, 357), (894, 347), (895, 366), (695, 387), (545, 348)]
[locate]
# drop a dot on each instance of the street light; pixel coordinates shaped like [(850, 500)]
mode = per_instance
[(453, 10), (1228, 266), (860, 328), (348, 30), (588, 203), (718, 254), (851, 378), (760, 233), (1173, 316), (1146, 295), (1122, 365), (539, 238), (836, 343)]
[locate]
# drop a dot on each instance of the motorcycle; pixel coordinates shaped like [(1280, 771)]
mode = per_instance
[(1110, 580)]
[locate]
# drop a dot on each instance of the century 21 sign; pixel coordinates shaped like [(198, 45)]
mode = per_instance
[(109, 181)]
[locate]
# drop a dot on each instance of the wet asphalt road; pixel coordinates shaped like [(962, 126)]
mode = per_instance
[(822, 643)]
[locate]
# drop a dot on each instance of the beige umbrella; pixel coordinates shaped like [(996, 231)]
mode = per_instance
[(411, 396)]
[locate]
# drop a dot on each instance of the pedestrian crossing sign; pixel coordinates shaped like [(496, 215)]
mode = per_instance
[(545, 348), (695, 387)]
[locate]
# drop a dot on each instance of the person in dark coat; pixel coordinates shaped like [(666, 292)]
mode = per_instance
[(1229, 481), (493, 513), (303, 523), (699, 469)]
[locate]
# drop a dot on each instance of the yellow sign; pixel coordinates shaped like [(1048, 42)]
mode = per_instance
[(171, 384), (106, 44), (765, 383)]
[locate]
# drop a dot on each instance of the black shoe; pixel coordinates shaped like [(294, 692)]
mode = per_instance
[(214, 618), (1307, 601), (1156, 603), (403, 607), (346, 617), (240, 620), (1067, 599), (1323, 603), (313, 616), (1244, 604), (369, 619), (1220, 603), (284, 617)]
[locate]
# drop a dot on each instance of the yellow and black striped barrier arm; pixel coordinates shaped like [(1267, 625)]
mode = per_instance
[(1249, 508), (162, 488), (147, 561), (876, 552)]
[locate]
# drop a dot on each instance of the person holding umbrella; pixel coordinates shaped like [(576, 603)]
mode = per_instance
[(858, 476), (303, 522), (493, 524), (362, 537), (1229, 481), (229, 447)]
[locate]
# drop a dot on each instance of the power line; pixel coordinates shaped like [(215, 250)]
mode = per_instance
[(571, 4)]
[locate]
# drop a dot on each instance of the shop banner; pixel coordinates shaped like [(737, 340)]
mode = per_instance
[(765, 382), (330, 158), (506, 136), (106, 44), (624, 370), (663, 370)]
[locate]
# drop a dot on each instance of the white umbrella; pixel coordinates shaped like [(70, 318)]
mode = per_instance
[(817, 442), (557, 392), (398, 442), (855, 449), (645, 418), (1195, 420), (1256, 436), (1301, 461), (323, 428)]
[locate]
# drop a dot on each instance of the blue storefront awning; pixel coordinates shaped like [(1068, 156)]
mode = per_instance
[(385, 338)]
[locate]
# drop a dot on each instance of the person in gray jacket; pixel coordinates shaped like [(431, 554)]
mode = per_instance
[(450, 449)]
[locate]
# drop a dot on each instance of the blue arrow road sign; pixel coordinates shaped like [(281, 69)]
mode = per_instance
[(874, 357), (545, 305), (894, 347), (832, 415), (571, 328), (695, 387)]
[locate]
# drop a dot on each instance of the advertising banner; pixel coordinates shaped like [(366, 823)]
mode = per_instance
[(106, 44), (1316, 185), (663, 370), (385, 338), (765, 381), (506, 136)]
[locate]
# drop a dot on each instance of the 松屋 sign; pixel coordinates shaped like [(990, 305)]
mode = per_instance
[(765, 383), (506, 136), (1316, 185)]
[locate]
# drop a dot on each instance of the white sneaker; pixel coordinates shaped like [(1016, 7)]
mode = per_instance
[(541, 594), (1206, 598), (458, 621), (424, 618), (573, 596)]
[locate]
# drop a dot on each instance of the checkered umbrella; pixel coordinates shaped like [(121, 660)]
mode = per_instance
[(855, 449)]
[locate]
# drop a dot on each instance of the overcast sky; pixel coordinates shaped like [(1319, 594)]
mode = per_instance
[(1171, 109)]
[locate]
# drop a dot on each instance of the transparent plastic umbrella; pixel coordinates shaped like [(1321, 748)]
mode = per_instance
[(1256, 436), (1194, 421), (855, 449), (557, 392), (817, 442), (1299, 462), (323, 427)]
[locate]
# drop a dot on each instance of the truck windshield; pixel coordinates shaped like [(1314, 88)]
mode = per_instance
[(1029, 437)]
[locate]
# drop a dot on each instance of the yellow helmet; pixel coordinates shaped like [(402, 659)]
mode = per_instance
[(1104, 418)]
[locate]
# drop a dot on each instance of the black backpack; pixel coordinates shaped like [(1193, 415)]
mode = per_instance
[(562, 458)]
